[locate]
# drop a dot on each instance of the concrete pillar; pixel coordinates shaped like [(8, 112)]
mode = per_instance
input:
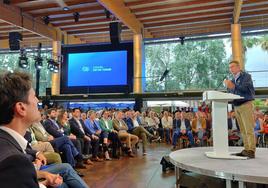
[(237, 46), (138, 57), (55, 77)]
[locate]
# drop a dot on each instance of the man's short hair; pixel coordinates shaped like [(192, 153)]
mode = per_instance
[(14, 88), (74, 109), (235, 62), (50, 110)]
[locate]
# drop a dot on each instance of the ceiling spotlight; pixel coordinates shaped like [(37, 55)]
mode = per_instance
[(76, 16), (182, 40), (38, 62), (66, 8), (56, 68), (23, 60), (46, 20), (53, 66)]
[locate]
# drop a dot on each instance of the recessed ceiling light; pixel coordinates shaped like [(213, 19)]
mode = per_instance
[(66, 8)]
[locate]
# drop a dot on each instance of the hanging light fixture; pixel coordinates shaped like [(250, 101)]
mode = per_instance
[(23, 60)]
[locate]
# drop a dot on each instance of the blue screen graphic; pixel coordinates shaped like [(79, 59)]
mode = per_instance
[(97, 68)]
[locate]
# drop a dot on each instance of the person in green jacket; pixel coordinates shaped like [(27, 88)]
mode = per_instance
[(106, 125)]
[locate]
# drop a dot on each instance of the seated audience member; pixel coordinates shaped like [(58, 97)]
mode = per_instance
[(82, 132), (83, 116), (18, 110), (55, 175), (58, 140), (153, 124), (233, 129), (135, 128), (182, 127), (264, 127), (199, 127), (106, 125), (81, 144), (143, 119), (44, 147), (120, 126), (257, 127), (167, 124)]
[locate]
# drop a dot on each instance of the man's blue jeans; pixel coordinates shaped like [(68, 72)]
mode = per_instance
[(69, 175)]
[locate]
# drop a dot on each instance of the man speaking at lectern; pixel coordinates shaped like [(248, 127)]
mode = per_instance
[(242, 85)]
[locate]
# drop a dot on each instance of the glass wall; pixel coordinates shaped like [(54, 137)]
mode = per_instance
[(9, 62), (202, 64)]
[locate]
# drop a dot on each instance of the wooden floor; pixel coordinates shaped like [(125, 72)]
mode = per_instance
[(138, 172)]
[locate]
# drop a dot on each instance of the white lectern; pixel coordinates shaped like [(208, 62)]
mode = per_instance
[(219, 123)]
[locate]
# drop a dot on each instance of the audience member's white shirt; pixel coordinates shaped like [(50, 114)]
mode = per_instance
[(234, 127), (152, 122), (167, 122), (183, 127), (80, 125), (135, 123)]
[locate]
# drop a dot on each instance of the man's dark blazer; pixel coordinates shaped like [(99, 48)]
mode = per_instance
[(16, 169), (177, 124), (52, 129), (230, 124), (75, 128)]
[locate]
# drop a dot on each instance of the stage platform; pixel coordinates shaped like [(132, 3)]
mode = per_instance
[(194, 160)]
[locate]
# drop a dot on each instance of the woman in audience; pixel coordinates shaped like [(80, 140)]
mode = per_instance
[(167, 124), (93, 125), (64, 123)]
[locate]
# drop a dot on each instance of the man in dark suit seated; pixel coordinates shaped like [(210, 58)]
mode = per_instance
[(78, 129), (181, 126), (18, 110), (234, 135), (62, 142)]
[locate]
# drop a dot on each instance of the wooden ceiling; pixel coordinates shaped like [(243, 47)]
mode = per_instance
[(157, 18)]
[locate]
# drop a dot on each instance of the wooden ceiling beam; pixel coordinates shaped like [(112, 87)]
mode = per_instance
[(197, 3), (190, 26), (253, 18), (193, 15), (13, 15), (195, 33), (226, 6), (13, 2), (97, 21), (56, 5), (82, 9), (24, 36), (88, 31), (255, 7), (189, 21), (76, 28), (237, 10), (125, 15), (209, 30), (89, 15), (190, 30), (145, 2)]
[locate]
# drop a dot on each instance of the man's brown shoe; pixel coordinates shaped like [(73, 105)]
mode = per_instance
[(246, 153)]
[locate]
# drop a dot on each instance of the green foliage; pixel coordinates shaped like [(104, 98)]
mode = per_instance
[(194, 65), (9, 62), (250, 42)]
